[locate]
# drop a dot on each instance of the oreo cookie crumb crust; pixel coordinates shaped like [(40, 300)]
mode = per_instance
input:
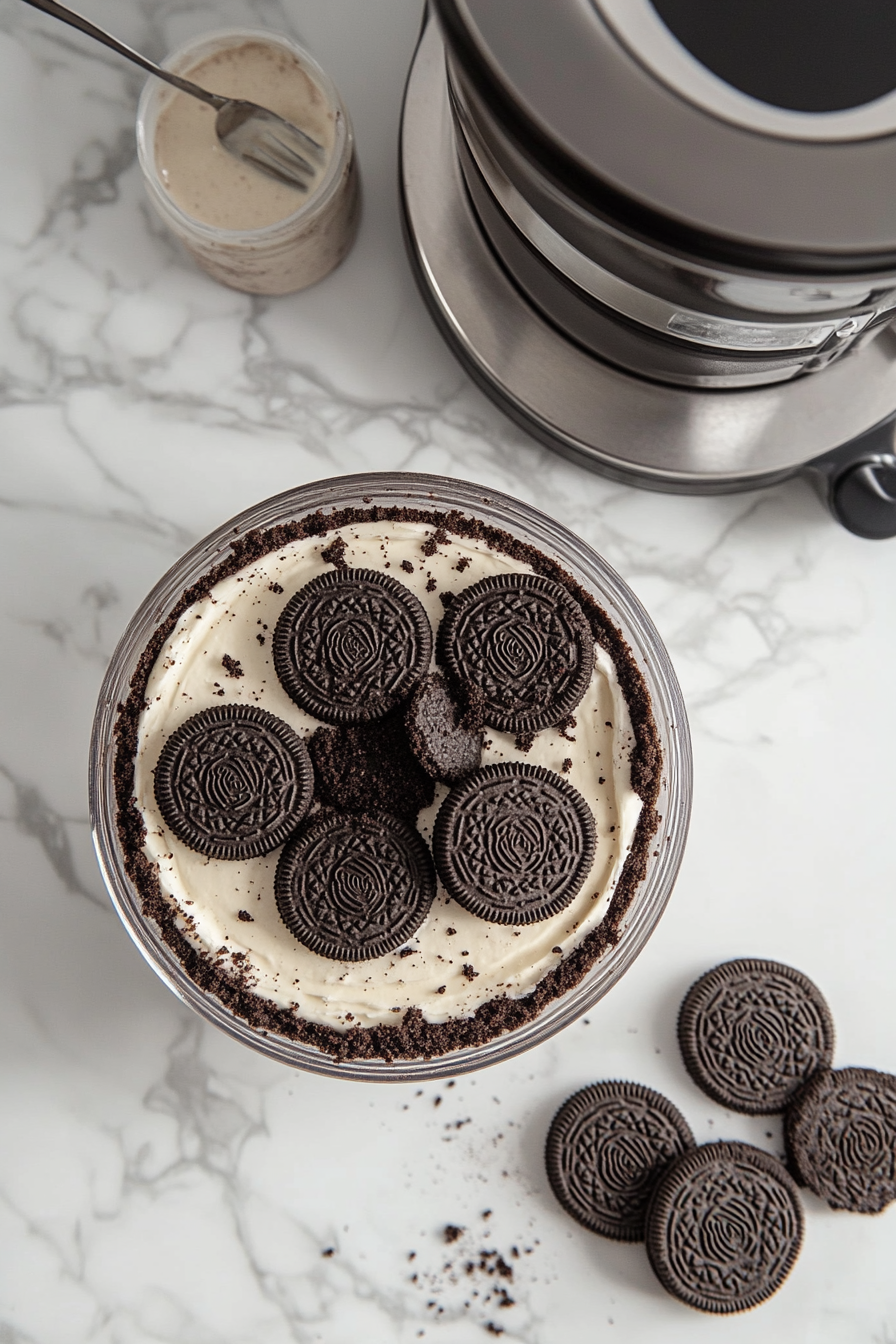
[(354, 887), (724, 1227), (411, 1036), (840, 1135), (751, 1033), (513, 843), (233, 782), (606, 1149)]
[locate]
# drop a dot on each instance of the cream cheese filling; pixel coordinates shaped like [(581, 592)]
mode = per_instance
[(213, 897)]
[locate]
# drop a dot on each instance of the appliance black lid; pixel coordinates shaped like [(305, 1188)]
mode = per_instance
[(595, 120)]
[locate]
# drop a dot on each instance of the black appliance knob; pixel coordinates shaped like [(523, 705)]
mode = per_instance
[(863, 498)]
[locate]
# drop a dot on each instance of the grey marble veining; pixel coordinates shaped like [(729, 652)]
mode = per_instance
[(157, 1182)]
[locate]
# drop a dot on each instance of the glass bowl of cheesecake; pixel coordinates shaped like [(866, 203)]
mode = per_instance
[(390, 777)]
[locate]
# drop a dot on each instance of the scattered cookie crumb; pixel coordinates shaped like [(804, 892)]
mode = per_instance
[(407, 566), (452, 1232), (245, 916), (232, 666), (275, 588), (524, 741), (334, 554)]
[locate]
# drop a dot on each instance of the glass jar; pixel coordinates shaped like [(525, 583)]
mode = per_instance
[(279, 258), (405, 490)]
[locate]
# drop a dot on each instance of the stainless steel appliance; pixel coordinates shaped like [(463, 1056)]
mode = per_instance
[(662, 235)]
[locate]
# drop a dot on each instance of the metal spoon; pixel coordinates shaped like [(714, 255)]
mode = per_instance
[(251, 133)]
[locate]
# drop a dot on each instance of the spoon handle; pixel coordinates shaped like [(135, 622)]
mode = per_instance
[(85, 26)]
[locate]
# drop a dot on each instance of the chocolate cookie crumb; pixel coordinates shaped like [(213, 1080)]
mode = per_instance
[(432, 543), (468, 972), (245, 916), (449, 932), (407, 566), (334, 554), (260, 639), (232, 666), (370, 767), (462, 564), (431, 585), (567, 765), (452, 1232), (564, 724), (524, 741), (275, 587)]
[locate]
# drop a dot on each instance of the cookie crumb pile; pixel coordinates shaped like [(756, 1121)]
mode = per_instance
[(723, 1222)]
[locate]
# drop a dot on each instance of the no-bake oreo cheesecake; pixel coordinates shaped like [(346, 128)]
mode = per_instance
[(386, 781)]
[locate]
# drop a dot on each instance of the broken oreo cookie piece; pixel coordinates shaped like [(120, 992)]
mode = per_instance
[(443, 738), (525, 642), (513, 843), (233, 782), (351, 644), (752, 1032), (606, 1149), (352, 887), (724, 1227), (840, 1134), (370, 767)]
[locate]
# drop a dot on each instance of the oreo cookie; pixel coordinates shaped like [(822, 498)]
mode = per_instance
[(606, 1149), (525, 642), (351, 645), (233, 782), (752, 1032), (840, 1134), (724, 1227), (445, 738), (354, 887), (513, 843)]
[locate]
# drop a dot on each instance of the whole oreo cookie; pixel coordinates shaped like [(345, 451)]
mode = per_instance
[(351, 644), (752, 1032), (841, 1138), (233, 782), (354, 886), (441, 736), (606, 1149), (724, 1227), (524, 640), (513, 843)]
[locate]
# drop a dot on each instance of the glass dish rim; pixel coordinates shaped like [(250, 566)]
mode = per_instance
[(343, 144), (406, 489)]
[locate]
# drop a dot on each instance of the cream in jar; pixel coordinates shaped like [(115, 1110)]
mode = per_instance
[(244, 227)]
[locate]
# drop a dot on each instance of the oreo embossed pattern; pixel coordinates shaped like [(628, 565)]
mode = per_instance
[(234, 782), (724, 1227), (513, 843), (841, 1138), (752, 1032), (605, 1150), (525, 643)]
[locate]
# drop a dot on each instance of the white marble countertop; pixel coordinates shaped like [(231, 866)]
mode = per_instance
[(157, 1181)]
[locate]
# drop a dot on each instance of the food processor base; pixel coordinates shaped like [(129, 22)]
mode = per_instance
[(836, 426)]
